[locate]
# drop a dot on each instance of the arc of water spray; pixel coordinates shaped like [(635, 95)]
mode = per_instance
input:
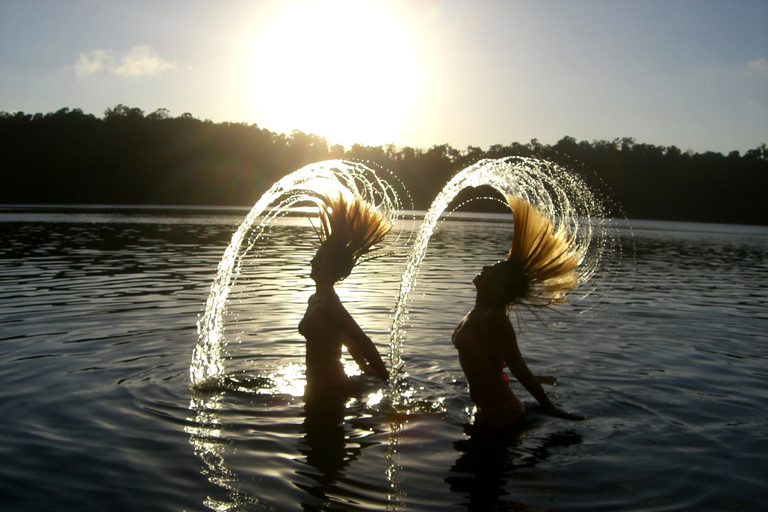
[(329, 176), (207, 366), (560, 195)]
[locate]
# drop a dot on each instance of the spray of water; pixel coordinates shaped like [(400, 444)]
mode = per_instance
[(560, 194), (299, 187)]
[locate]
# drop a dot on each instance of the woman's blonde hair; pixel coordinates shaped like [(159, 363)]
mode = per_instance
[(349, 229), (542, 260)]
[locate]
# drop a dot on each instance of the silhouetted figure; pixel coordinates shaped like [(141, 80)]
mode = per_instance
[(349, 228), (539, 270)]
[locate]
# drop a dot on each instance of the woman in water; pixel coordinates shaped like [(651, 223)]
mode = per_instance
[(349, 228), (539, 270)]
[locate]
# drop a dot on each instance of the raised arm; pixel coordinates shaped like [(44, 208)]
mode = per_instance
[(522, 373)]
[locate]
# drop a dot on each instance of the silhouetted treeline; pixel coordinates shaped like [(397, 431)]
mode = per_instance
[(127, 157)]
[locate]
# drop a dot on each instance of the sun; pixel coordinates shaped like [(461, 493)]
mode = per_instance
[(344, 70)]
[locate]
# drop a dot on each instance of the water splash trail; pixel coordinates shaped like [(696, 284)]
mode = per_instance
[(301, 186), (207, 372), (562, 196)]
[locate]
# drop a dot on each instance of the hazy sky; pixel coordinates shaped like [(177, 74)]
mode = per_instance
[(468, 72)]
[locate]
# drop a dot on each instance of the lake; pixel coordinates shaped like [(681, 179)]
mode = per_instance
[(668, 359)]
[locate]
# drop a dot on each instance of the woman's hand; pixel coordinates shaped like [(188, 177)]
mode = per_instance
[(369, 369), (559, 413), (546, 379)]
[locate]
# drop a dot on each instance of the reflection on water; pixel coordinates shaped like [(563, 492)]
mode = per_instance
[(335, 435), (369, 436), (332, 434), (487, 461), (97, 323), (209, 445)]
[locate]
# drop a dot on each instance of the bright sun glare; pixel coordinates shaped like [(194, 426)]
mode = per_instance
[(343, 70)]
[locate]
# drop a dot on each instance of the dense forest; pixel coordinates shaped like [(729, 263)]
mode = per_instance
[(127, 157)]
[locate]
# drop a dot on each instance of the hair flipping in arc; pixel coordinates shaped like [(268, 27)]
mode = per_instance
[(542, 260), (350, 229)]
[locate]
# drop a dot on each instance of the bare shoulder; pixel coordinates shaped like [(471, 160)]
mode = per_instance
[(490, 321), (481, 327), (324, 300)]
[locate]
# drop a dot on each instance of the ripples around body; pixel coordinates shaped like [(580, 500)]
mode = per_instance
[(97, 327)]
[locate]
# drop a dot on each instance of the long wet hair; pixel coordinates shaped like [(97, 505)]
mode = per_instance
[(348, 230), (541, 263)]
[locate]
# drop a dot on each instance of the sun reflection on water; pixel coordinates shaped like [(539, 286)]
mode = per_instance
[(287, 380), (375, 398)]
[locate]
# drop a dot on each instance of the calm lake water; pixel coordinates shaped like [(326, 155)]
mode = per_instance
[(98, 324)]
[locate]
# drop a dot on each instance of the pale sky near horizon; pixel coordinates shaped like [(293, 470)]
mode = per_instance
[(693, 74)]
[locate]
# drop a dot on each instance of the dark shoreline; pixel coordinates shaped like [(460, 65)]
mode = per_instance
[(68, 157)]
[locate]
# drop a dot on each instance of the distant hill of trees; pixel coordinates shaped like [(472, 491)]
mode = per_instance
[(127, 157)]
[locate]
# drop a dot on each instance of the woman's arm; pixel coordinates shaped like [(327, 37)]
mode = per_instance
[(522, 373), (359, 345)]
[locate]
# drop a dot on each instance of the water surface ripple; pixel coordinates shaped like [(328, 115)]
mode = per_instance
[(98, 313)]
